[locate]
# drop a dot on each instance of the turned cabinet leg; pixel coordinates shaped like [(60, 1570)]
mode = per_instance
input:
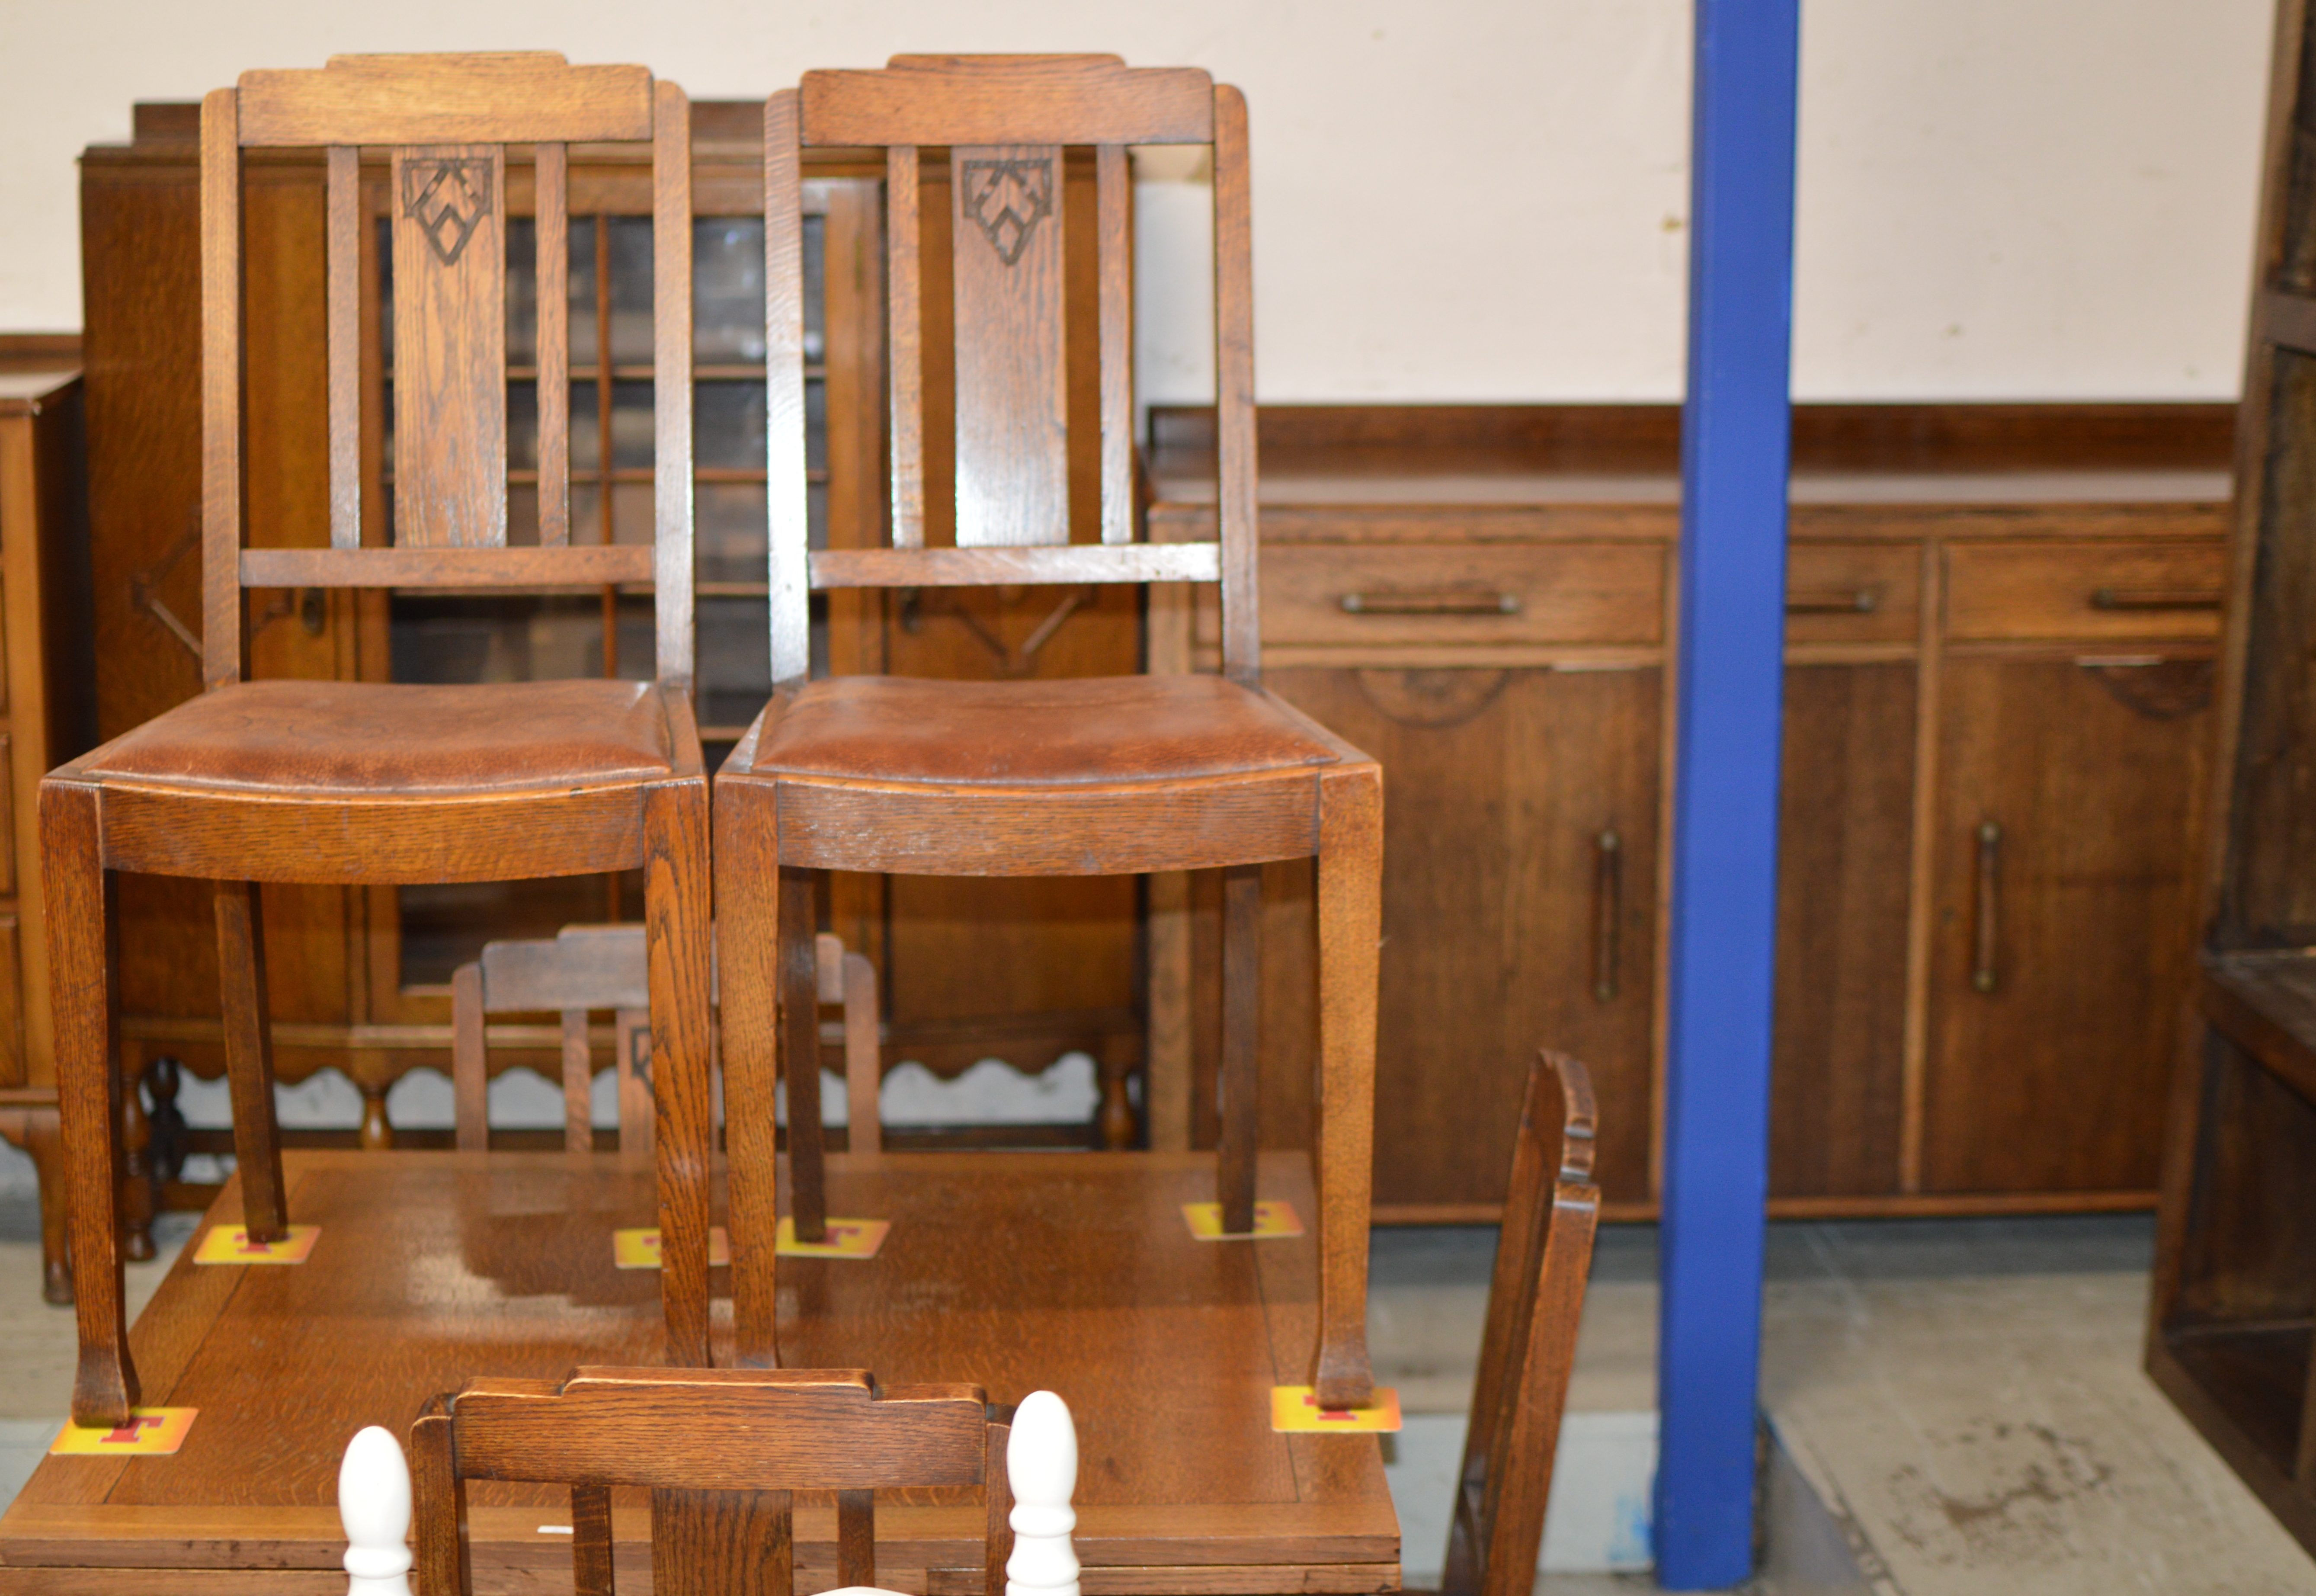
[(676, 888), (1241, 1082), (377, 1129), (747, 911), (33, 1130), (1115, 1120), (249, 1059), (1351, 926), (166, 1122), (80, 922), (799, 1030)]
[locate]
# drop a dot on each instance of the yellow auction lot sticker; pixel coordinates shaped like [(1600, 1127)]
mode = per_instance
[(1296, 1410), (230, 1244), (150, 1432), (847, 1238), (1271, 1220)]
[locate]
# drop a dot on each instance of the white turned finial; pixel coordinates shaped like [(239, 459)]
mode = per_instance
[(1041, 1463), (374, 1506)]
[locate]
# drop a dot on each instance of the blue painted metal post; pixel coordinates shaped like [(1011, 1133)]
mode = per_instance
[(1736, 432)]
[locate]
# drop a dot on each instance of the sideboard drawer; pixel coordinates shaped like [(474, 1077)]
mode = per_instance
[(1853, 592), (2157, 592), (1345, 595)]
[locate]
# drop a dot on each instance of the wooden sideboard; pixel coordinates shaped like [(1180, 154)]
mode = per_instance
[(2001, 625), (45, 670)]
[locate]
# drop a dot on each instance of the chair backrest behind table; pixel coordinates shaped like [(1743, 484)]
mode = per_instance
[(722, 1452), (589, 967), (1535, 1297), (446, 121), (1005, 122)]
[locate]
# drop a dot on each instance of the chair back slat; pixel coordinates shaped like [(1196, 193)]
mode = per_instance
[(221, 640), (1012, 398), (788, 497), (906, 349), (344, 269), (551, 186), (1006, 126), (447, 205), (1113, 225), (724, 1430), (952, 100), (511, 97), (1235, 386), (671, 373), (445, 121)]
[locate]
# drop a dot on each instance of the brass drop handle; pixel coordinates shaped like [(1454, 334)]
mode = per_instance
[(1990, 855), (1450, 601), (1607, 910), (2156, 598), (1861, 600)]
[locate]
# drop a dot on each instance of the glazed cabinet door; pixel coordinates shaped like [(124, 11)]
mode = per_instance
[(1519, 906), (2060, 975)]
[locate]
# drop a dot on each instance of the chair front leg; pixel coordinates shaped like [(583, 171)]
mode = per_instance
[(678, 959), (249, 1059), (747, 908), (1241, 1060), (1351, 925), (79, 924)]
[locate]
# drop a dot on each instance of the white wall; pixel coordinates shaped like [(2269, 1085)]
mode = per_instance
[(1479, 199)]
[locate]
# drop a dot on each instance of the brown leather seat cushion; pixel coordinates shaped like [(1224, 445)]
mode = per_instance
[(368, 736), (1107, 728)]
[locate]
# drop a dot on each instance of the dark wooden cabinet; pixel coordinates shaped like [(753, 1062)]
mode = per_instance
[(44, 719), (2063, 894), (2233, 1310), (1845, 844), (1518, 892), (1994, 617)]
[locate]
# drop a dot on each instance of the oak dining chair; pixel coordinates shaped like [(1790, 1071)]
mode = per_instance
[(1535, 1297), (1106, 776), (335, 781), (584, 968), (723, 1453)]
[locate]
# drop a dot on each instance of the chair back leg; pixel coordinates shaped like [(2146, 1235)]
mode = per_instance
[(249, 1059)]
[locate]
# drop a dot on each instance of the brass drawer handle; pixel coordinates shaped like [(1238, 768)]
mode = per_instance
[(2156, 598), (1435, 601), (1823, 600), (1990, 857), (1607, 912)]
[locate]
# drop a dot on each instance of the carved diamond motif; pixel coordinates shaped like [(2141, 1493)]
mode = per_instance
[(1007, 200), (448, 198)]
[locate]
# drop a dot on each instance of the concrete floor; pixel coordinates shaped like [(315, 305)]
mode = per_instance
[(1964, 1396)]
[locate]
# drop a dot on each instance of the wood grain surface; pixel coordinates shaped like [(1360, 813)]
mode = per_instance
[(1014, 1272)]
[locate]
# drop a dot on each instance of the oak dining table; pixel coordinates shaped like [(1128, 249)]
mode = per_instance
[(1073, 1272)]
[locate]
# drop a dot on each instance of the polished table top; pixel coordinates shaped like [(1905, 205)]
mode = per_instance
[(1069, 1271)]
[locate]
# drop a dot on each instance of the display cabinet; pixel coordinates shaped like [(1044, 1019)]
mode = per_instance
[(2232, 1315), (44, 720)]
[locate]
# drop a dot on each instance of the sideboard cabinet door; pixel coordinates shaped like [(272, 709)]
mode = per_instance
[(1520, 810), (2060, 975)]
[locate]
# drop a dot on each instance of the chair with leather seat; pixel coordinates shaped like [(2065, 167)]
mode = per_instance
[(343, 782), (1087, 776)]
